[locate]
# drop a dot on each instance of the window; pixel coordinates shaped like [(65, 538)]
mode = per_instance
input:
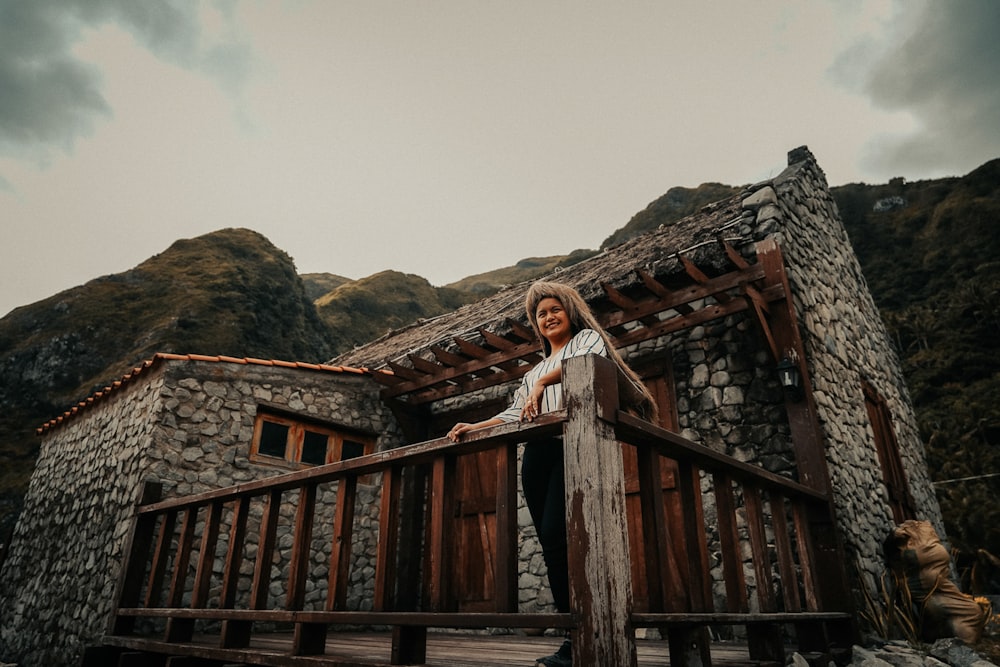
[(887, 447), (293, 441)]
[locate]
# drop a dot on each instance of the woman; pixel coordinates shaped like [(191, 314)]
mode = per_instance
[(567, 328)]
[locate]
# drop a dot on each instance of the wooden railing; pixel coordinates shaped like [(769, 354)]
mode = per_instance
[(173, 579)]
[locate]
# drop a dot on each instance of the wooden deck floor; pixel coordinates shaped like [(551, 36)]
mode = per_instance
[(444, 649)]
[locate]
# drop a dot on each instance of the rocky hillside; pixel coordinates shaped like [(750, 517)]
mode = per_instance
[(230, 292), (362, 310)]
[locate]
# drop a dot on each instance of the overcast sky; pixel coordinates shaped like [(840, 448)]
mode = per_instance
[(452, 137)]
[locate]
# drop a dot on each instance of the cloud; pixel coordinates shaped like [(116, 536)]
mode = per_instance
[(49, 98), (946, 73)]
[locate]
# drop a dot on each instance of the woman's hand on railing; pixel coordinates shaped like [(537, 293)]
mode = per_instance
[(461, 428)]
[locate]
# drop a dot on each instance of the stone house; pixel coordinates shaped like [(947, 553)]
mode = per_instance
[(712, 310), (187, 423)]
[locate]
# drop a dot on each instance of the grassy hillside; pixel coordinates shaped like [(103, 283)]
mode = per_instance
[(484, 284), (318, 284), (676, 204), (363, 310), (230, 292)]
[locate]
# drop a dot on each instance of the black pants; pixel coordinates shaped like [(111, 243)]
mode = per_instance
[(544, 492)]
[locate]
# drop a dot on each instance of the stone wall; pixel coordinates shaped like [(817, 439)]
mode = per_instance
[(846, 343), (56, 588), (727, 393), (188, 425)]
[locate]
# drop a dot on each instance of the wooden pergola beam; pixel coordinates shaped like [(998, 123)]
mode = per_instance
[(662, 291), (476, 366), (626, 304), (699, 277)]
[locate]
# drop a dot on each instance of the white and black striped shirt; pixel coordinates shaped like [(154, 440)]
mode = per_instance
[(587, 341)]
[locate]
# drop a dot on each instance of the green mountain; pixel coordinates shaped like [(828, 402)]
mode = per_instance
[(318, 284), (362, 310), (676, 204), (227, 293), (931, 254)]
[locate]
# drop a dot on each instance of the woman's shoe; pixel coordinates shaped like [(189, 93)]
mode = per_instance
[(561, 658)]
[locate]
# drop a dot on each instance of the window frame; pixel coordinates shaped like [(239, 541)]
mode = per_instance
[(297, 426)]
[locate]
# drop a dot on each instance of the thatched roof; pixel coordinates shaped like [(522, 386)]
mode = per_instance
[(657, 253)]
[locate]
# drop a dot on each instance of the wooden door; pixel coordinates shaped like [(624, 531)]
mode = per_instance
[(673, 573), (473, 578)]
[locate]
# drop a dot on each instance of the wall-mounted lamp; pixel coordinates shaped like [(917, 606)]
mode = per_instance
[(790, 378)]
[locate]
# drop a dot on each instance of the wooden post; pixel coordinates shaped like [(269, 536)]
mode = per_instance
[(506, 552), (599, 577)]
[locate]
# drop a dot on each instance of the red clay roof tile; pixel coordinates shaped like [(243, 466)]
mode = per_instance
[(160, 357)]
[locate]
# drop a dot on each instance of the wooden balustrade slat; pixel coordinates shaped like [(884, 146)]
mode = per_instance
[(161, 557), (308, 638), (732, 560), (758, 547), (234, 634), (786, 559), (695, 542), (265, 551), (137, 549), (804, 543), (234, 552), (183, 558), (181, 630), (388, 532), (506, 521), (661, 568), (764, 640), (340, 551), (206, 556), (298, 567), (439, 533)]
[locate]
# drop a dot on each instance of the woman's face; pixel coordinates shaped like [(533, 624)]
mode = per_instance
[(553, 322)]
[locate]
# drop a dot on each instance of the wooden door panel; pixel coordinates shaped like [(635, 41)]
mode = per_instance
[(659, 381), (473, 580)]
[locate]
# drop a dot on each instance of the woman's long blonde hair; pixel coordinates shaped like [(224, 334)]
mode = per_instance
[(582, 317)]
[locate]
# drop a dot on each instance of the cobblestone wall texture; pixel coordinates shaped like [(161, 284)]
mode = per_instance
[(189, 426)]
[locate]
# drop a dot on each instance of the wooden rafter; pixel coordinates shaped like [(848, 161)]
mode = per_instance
[(626, 304), (471, 349), (661, 290), (455, 360), (424, 365), (406, 372), (513, 362), (738, 260), (761, 311), (497, 359), (527, 334), (685, 296), (692, 270)]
